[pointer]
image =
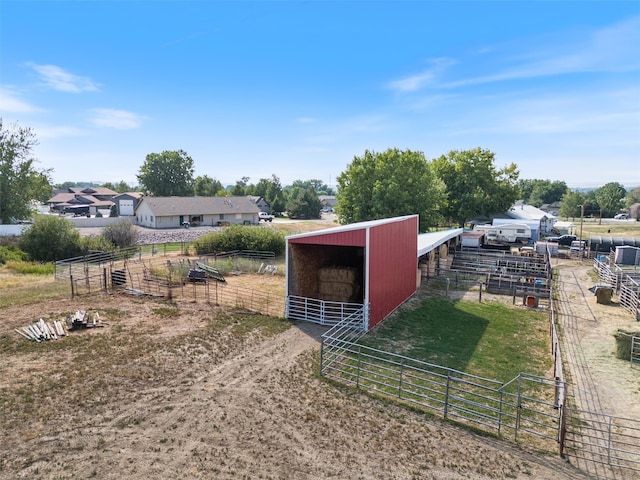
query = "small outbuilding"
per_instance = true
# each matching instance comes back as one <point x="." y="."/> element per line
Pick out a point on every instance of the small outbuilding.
<point x="358" y="273"/>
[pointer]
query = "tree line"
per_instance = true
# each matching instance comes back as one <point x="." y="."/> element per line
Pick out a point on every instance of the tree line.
<point x="448" y="190"/>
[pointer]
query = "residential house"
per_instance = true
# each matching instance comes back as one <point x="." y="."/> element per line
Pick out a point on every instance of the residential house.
<point x="262" y="204"/>
<point x="75" y="199"/>
<point x="127" y="202"/>
<point x="172" y="212"/>
<point x="328" y="202"/>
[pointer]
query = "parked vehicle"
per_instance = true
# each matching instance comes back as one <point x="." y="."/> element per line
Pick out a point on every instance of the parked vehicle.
<point x="265" y="216"/>
<point x="563" y="239"/>
<point x="621" y="216"/>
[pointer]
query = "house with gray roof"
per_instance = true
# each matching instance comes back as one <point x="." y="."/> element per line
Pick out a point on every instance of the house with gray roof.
<point x="173" y="212"/>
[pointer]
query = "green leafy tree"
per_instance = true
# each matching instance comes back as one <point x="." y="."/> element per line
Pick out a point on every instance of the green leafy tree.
<point x="20" y="181"/>
<point x="540" y="192"/>
<point x="169" y="173"/>
<point x="206" y="186"/>
<point x="570" y="204"/>
<point x="51" y="238"/>
<point x="610" y="198"/>
<point x="240" y="188"/>
<point x="271" y="190"/>
<point x="303" y="203"/>
<point x="632" y="197"/>
<point x="474" y="185"/>
<point x="389" y="184"/>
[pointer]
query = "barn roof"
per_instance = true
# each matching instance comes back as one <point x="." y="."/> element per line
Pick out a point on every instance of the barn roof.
<point x="431" y="240"/>
<point x="350" y="227"/>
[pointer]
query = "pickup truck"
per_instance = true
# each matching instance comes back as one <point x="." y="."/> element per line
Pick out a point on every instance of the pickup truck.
<point x="265" y="216"/>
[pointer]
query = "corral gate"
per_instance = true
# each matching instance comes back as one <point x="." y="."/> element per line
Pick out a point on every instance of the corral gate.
<point x="606" y="445"/>
<point x="635" y="350"/>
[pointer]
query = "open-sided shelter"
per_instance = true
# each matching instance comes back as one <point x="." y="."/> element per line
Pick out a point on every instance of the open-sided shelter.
<point x="359" y="272"/>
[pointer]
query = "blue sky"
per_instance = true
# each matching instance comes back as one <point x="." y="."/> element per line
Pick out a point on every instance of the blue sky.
<point x="297" y="89"/>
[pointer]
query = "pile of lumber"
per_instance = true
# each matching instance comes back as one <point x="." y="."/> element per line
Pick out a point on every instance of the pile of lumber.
<point x="41" y="331"/>
<point x="338" y="284"/>
<point x="82" y="319"/>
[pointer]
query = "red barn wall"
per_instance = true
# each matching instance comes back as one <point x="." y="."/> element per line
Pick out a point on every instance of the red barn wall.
<point x="392" y="266"/>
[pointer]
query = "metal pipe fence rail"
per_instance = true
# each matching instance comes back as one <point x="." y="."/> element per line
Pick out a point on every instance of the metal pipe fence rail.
<point x="325" y="312"/>
<point x="635" y="350"/>
<point x="524" y="409"/>
<point x="94" y="262"/>
<point x="224" y="295"/>
<point x="625" y="281"/>
<point x="612" y="443"/>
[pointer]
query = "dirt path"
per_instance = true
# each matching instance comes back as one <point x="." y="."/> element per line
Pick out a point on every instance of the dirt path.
<point x="599" y="383"/>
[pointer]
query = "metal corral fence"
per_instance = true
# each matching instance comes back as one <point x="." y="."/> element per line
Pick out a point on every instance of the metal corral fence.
<point x="94" y="262"/>
<point x="158" y="274"/>
<point x="625" y="281"/>
<point x="524" y="408"/>
<point x="611" y="443"/>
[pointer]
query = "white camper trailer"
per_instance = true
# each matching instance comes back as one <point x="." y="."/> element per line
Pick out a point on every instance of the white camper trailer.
<point x="507" y="233"/>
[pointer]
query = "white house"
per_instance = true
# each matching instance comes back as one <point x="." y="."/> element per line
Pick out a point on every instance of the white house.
<point x="172" y="212"/>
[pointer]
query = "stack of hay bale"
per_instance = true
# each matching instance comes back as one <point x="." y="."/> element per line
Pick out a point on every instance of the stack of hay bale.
<point x="338" y="284"/>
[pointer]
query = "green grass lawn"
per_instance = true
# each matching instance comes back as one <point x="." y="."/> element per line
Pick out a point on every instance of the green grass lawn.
<point x="490" y="340"/>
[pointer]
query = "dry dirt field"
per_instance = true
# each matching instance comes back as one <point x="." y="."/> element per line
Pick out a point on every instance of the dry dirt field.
<point x="187" y="391"/>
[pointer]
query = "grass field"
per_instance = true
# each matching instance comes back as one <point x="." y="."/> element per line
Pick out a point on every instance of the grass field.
<point x="490" y="340"/>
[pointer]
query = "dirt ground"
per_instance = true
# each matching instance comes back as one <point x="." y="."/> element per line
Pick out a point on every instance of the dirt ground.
<point x="158" y="394"/>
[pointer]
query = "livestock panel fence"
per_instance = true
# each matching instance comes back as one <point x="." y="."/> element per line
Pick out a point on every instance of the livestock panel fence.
<point x="525" y="408"/>
<point x="163" y="274"/>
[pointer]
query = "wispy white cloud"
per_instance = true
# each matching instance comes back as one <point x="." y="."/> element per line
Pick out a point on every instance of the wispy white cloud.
<point x="12" y="103"/>
<point x="615" y="48"/>
<point x="422" y="79"/>
<point x="58" y="131"/>
<point x="59" y="79"/>
<point x="118" y="119"/>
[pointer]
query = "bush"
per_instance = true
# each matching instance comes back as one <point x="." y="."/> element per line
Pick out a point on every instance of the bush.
<point x="31" y="268"/>
<point x="11" y="253"/>
<point x="51" y="238"/>
<point x="121" y="235"/>
<point x="238" y="237"/>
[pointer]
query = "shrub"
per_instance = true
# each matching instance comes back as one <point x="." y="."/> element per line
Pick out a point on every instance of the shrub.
<point x="11" y="253"/>
<point x="121" y="235"/>
<point x="30" y="268"/>
<point x="238" y="237"/>
<point x="51" y="238"/>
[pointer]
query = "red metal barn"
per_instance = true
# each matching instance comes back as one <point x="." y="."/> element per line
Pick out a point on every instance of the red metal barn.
<point x="361" y="272"/>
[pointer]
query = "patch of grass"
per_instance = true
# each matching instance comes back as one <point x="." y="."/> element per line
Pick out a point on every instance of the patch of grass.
<point x="167" y="311"/>
<point x="26" y="289"/>
<point x="30" y="268"/>
<point x="490" y="340"/>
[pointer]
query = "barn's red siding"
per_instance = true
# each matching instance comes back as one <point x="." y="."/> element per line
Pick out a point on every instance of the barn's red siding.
<point x="390" y="263"/>
<point x="351" y="238"/>
<point x="392" y="266"/>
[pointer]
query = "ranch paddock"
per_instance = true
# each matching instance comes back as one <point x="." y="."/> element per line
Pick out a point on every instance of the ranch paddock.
<point x="189" y="390"/>
<point x="201" y="390"/>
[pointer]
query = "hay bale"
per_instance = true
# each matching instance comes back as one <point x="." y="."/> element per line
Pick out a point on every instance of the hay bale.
<point x="337" y="274"/>
<point x="337" y="289"/>
<point x="623" y="343"/>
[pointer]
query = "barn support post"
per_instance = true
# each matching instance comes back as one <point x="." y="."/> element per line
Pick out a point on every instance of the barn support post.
<point x="480" y="294"/>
